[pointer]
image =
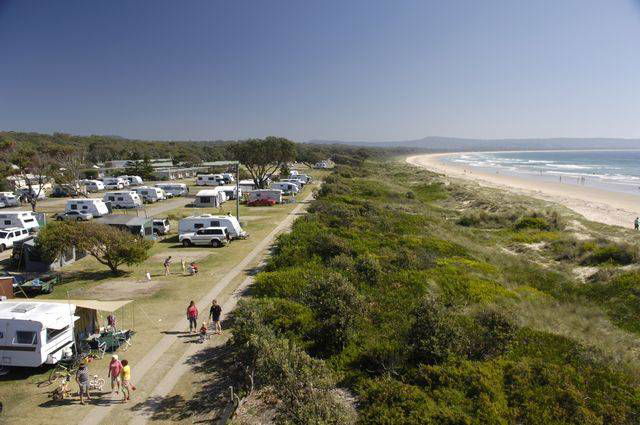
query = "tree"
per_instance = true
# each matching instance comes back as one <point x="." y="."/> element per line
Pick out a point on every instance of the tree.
<point x="310" y="155"/>
<point x="264" y="157"/>
<point x="34" y="166"/>
<point x="70" y="163"/>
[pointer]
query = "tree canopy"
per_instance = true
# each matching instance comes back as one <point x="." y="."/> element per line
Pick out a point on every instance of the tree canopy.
<point x="264" y="157"/>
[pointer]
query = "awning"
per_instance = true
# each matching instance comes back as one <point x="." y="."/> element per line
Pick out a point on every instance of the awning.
<point x="109" y="306"/>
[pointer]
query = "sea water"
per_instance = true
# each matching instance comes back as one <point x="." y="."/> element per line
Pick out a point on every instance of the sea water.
<point x="610" y="170"/>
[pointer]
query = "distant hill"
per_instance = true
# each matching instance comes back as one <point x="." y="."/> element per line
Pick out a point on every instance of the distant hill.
<point x="435" y="143"/>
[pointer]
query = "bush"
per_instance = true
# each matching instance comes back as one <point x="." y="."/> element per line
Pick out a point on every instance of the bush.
<point x="614" y="254"/>
<point x="538" y="223"/>
<point x="495" y="333"/>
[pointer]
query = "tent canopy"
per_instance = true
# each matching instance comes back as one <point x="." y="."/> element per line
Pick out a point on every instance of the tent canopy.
<point x="109" y="306"/>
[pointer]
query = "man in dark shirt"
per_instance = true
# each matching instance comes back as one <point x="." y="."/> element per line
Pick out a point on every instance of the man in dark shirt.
<point x="214" y="315"/>
<point x="82" y="378"/>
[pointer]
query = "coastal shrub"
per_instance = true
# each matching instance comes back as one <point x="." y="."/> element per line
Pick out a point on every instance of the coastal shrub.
<point x="495" y="332"/>
<point x="368" y="268"/>
<point x="430" y="192"/>
<point x="621" y="254"/>
<point x="284" y="317"/>
<point x="620" y="298"/>
<point x="529" y="222"/>
<point x="286" y="283"/>
<point x="487" y="220"/>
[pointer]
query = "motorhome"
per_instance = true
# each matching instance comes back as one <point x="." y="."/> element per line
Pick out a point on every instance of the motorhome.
<point x="266" y="194"/>
<point x="35" y="333"/>
<point x="94" y="206"/>
<point x="297" y="181"/>
<point x="123" y="199"/>
<point x="133" y="180"/>
<point x="8" y="199"/>
<point x="193" y="223"/>
<point x="111" y="183"/>
<point x="287" y="188"/>
<point x="22" y="219"/>
<point x="210" y="198"/>
<point x="93" y="185"/>
<point x="210" y="180"/>
<point x="175" y="189"/>
<point x="150" y="194"/>
<point x="231" y="192"/>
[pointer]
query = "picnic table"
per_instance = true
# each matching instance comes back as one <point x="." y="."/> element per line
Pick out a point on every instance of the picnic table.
<point x="110" y="340"/>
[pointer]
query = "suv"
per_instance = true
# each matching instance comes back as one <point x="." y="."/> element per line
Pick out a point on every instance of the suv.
<point x="161" y="226"/>
<point x="74" y="216"/>
<point x="214" y="236"/>
<point x="12" y="234"/>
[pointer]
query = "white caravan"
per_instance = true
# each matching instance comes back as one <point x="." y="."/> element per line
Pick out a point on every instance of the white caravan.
<point x="22" y="219"/>
<point x="94" y="206"/>
<point x="230" y="191"/>
<point x="175" y="189"/>
<point x="287" y="188"/>
<point x="133" y="180"/>
<point x="296" y="175"/>
<point x="210" y="180"/>
<point x="297" y="181"/>
<point x="193" y="223"/>
<point x="93" y="185"/>
<point x="8" y="199"/>
<point x="210" y="198"/>
<point x="35" y="333"/>
<point x="123" y="199"/>
<point x="150" y="194"/>
<point x="111" y="183"/>
<point x="260" y="194"/>
<point x="228" y="177"/>
<point x="35" y="191"/>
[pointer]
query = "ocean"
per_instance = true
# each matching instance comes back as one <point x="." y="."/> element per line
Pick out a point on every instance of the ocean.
<point x="617" y="171"/>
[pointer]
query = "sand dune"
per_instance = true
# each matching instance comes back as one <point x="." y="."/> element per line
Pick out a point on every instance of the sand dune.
<point x="599" y="205"/>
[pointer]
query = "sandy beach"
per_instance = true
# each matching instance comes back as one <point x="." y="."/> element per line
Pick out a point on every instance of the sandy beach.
<point x="595" y="204"/>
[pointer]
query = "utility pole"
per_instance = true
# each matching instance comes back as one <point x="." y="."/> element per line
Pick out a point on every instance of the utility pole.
<point x="238" y="191"/>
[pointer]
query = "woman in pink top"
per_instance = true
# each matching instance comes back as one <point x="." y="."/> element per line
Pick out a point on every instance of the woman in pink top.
<point x="115" y="367"/>
<point x="192" y="317"/>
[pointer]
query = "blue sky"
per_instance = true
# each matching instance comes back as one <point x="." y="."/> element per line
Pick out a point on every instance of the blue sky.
<point x="350" y="70"/>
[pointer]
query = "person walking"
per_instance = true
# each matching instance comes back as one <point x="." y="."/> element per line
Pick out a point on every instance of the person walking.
<point x="167" y="264"/>
<point x="183" y="263"/>
<point x="125" y="374"/>
<point x="214" y="316"/>
<point x="115" y="367"/>
<point x="636" y="223"/>
<point x="192" y="317"/>
<point x="82" y="378"/>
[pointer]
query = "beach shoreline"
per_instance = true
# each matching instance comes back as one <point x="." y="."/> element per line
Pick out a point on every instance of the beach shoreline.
<point x="603" y="206"/>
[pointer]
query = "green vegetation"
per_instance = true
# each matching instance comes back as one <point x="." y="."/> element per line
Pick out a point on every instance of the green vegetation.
<point x="422" y="301"/>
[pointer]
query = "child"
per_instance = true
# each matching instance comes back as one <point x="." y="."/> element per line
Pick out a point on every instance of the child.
<point x="126" y="381"/>
<point x="203" y="333"/>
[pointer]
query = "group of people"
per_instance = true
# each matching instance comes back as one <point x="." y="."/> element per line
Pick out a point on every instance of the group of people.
<point x="192" y="268"/>
<point x="215" y="311"/>
<point x="119" y="373"/>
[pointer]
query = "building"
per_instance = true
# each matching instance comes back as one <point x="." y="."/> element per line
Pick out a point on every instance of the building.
<point x="174" y="173"/>
<point x="139" y="226"/>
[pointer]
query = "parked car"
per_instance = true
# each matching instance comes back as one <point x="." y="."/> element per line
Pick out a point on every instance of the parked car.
<point x="74" y="216"/>
<point x="11" y="235"/>
<point x="161" y="226"/>
<point x="261" y="203"/>
<point x="213" y="236"/>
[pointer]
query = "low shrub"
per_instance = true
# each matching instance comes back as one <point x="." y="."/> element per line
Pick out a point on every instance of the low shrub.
<point x="612" y="253"/>
<point x="528" y="222"/>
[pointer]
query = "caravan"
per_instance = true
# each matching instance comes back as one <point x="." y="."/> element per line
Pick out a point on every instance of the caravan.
<point x="210" y="198"/>
<point x="133" y="180"/>
<point x="93" y="185"/>
<point x="35" y="333"/>
<point x="35" y="192"/>
<point x="287" y="188"/>
<point x="263" y="197"/>
<point x="150" y="194"/>
<point x="175" y="189"/>
<point x="123" y="199"/>
<point x="8" y="199"/>
<point x="210" y="180"/>
<point x="193" y="223"/>
<point x="231" y="192"/>
<point x="111" y="183"/>
<point x="22" y="219"/>
<point x="94" y="206"/>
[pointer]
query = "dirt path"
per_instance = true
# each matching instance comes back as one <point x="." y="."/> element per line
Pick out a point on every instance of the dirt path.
<point x="97" y="414"/>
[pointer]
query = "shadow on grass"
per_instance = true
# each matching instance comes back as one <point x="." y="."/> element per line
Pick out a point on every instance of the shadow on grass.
<point x="172" y="239"/>
<point x="94" y="276"/>
<point x="214" y="371"/>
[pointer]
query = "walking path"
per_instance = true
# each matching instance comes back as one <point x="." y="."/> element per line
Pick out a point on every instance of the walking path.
<point x="97" y="414"/>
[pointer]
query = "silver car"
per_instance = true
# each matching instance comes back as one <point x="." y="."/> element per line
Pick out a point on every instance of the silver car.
<point x="74" y="216"/>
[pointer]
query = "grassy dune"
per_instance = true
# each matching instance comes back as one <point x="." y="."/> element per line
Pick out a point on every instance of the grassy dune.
<point x="436" y="301"/>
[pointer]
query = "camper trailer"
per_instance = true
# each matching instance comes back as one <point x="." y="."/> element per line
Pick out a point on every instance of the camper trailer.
<point x="150" y="194"/>
<point x="228" y="177"/>
<point x="305" y="178"/>
<point x="94" y="206"/>
<point x="34" y="192"/>
<point x="210" y="180"/>
<point x="133" y="180"/>
<point x="210" y="198"/>
<point x="287" y="188"/>
<point x="35" y="333"/>
<point x="116" y="183"/>
<point x="193" y="223"/>
<point x="22" y="219"/>
<point x="123" y="199"/>
<point x="93" y="185"/>
<point x="175" y="189"/>
<point x="259" y="195"/>
<point x="8" y="199"/>
<point x="297" y="181"/>
<point x="231" y="192"/>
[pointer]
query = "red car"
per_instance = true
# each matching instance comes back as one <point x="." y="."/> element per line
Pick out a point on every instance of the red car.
<point x="262" y="203"/>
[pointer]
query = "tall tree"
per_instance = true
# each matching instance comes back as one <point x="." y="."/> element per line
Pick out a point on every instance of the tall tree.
<point x="34" y="167"/>
<point x="264" y="157"/>
<point x="70" y="162"/>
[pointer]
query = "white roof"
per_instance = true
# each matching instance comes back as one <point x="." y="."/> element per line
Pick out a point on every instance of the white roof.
<point x="5" y="213"/>
<point x="227" y="187"/>
<point x="10" y="229"/>
<point x="109" y="306"/>
<point x="85" y="200"/>
<point x="51" y="314"/>
<point x="208" y="192"/>
<point x="208" y="216"/>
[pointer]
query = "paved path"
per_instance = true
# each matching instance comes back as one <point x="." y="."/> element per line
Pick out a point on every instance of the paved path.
<point x="97" y="414"/>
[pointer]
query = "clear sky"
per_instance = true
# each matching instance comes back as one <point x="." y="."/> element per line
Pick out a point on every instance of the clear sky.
<point x="344" y="69"/>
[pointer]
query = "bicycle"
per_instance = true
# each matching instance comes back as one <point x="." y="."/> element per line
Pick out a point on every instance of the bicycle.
<point x="96" y="383"/>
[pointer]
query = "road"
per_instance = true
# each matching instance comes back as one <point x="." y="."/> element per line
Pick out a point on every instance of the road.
<point x="98" y="414"/>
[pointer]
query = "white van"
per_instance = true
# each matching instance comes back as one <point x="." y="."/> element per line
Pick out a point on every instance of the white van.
<point x="210" y="180"/>
<point x="286" y="187"/>
<point x="193" y="223"/>
<point x="8" y="199"/>
<point x="34" y="333"/>
<point x="175" y="189"/>
<point x="94" y="206"/>
<point x="123" y="199"/>
<point x="150" y="194"/>
<point x="93" y="185"/>
<point x="133" y="180"/>
<point x="111" y="183"/>
<point x="22" y="219"/>
<point x="10" y="235"/>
